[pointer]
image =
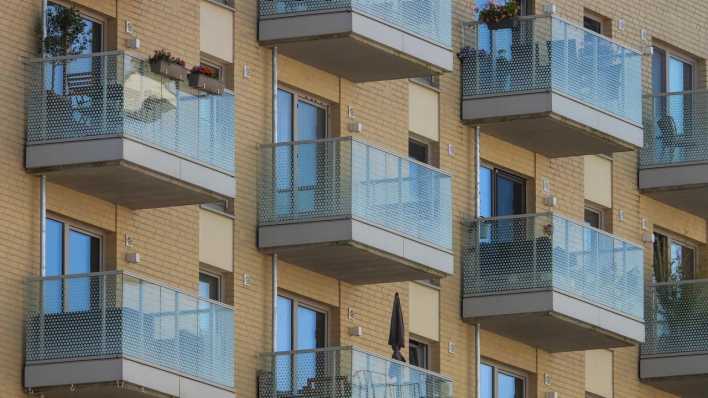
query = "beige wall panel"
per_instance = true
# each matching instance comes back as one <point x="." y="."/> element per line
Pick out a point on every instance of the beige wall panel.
<point x="216" y="31"/>
<point x="598" y="372"/>
<point x="216" y="240"/>
<point x="425" y="311"/>
<point x="598" y="180"/>
<point x="423" y="115"/>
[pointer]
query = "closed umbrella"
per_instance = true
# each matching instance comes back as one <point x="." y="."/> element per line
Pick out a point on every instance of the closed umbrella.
<point x="396" y="336"/>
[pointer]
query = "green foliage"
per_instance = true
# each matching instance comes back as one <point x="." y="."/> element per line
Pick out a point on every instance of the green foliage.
<point x="65" y="32"/>
<point x="495" y="13"/>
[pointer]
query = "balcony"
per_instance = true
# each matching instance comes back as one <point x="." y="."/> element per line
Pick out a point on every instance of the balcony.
<point x="355" y="212"/>
<point x="362" y="40"/>
<point x="112" y="334"/>
<point x="345" y="372"/>
<point x="105" y="125"/>
<point x="674" y="357"/>
<point x="552" y="87"/>
<point x="553" y="283"/>
<point x="673" y="164"/>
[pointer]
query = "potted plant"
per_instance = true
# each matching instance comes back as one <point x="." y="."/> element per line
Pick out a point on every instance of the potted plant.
<point x="499" y="16"/>
<point x="162" y="62"/>
<point x="204" y="78"/>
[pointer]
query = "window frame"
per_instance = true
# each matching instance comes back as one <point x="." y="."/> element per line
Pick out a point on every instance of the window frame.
<point x="596" y="20"/>
<point x="69" y="225"/>
<point x="219" y="284"/>
<point x="499" y="368"/>
<point x="298" y="96"/>
<point x="89" y="15"/>
<point x="495" y="171"/>
<point x="668" y="54"/>
<point x="298" y="301"/>
<point x="425" y="349"/>
<point x="673" y="239"/>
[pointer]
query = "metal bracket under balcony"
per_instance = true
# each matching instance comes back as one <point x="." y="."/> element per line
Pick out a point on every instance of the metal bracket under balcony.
<point x="552" y="283"/>
<point x="552" y="87"/>
<point x="359" y="40"/>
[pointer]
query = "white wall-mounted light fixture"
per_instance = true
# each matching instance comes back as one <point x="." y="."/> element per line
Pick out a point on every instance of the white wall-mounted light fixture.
<point x="356" y="331"/>
<point x="550" y="201"/>
<point x="132" y="257"/>
<point x="355" y="127"/>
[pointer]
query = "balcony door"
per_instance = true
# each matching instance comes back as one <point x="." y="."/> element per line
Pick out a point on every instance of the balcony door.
<point x="70" y="251"/>
<point x="672" y="73"/>
<point x="300" y="327"/>
<point x="300" y="121"/>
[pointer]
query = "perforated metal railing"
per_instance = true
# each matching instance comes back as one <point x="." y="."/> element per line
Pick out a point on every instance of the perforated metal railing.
<point x="343" y="177"/>
<point x="676" y="318"/>
<point x="675" y="129"/>
<point x="546" y="251"/>
<point x="113" y="94"/>
<point x="345" y="372"/>
<point x="114" y="314"/>
<point x="540" y="53"/>
<point x="429" y="19"/>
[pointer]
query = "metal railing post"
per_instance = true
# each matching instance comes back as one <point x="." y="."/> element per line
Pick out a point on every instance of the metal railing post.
<point x="102" y="298"/>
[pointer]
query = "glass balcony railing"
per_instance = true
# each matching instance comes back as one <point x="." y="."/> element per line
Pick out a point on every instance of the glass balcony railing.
<point x="676" y="318"/>
<point x="538" y="53"/>
<point x="113" y="94"/>
<point x="546" y="251"/>
<point x="429" y="19"/>
<point x="345" y="372"/>
<point x="675" y="129"/>
<point x="113" y="314"/>
<point x="334" y="178"/>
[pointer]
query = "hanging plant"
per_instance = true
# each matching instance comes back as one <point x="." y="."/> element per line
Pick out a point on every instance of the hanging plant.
<point x="162" y="62"/>
<point x="205" y="78"/>
<point x="498" y="16"/>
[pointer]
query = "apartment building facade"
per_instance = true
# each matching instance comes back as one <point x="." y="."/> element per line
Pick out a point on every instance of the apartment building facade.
<point x="241" y="228"/>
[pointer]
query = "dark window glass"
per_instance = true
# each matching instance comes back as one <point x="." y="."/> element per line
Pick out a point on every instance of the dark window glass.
<point x="208" y="286"/>
<point x="592" y="218"/>
<point x="418" y="151"/>
<point x="592" y="24"/>
<point x="418" y="354"/>
<point x="509" y="195"/>
<point x="682" y="259"/>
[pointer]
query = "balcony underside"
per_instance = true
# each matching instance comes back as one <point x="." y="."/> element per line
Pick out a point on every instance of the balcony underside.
<point x="356" y="47"/>
<point x="129" y="173"/>
<point x="682" y="186"/>
<point x="552" y="321"/>
<point x="551" y="124"/>
<point x="114" y="378"/>
<point x="355" y="252"/>
<point x="685" y="375"/>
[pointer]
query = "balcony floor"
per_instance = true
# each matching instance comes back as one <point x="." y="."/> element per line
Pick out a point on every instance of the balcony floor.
<point x="684" y="186"/>
<point x="355" y="252"/>
<point x="552" y="321"/>
<point x="129" y="173"/>
<point x="684" y="375"/>
<point x="94" y="378"/>
<point x="354" y="46"/>
<point x="551" y="124"/>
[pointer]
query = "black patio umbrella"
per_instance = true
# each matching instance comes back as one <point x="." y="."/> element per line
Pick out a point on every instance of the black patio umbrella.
<point x="396" y="336"/>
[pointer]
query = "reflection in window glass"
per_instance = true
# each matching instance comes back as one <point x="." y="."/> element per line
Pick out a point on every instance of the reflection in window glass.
<point x="208" y="286"/>
<point x="486" y="378"/>
<point x="485" y="192"/>
<point x="510" y="386"/>
<point x="497" y="383"/>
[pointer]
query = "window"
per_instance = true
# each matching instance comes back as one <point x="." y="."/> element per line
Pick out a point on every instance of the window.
<point x="418" y="354"/>
<point x="209" y="286"/>
<point x="301" y="326"/>
<point x="592" y="24"/>
<point x="430" y="81"/>
<point x="593" y="217"/>
<point x="91" y="38"/>
<point x="71" y="250"/>
<point x="418" y="150"/>
<point x="673" y="260"/>
<point x="501" y="193"/>
<point x="671" y="72"/>
<point x="496" y="382"/>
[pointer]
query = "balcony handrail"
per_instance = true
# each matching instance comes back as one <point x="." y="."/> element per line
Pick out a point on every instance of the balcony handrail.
<point x="360" y="141"/>
<point x="357" y="349"/>
<point x="132" y="275"/>
<point x="680" y="282"/>
<point x="470" y="24"/>
<point x="670" y="93"/>
<point x="79" y="56"/>
<point x="554" y="214"/>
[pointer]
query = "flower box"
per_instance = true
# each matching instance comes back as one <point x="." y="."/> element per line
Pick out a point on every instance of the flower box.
<point x="503" y="24"/>
<point x="205" y="83"/>
<point x="169" y="69"/>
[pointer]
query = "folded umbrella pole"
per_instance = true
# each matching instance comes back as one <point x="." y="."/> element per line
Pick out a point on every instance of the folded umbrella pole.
<point x="396" y="336"/>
